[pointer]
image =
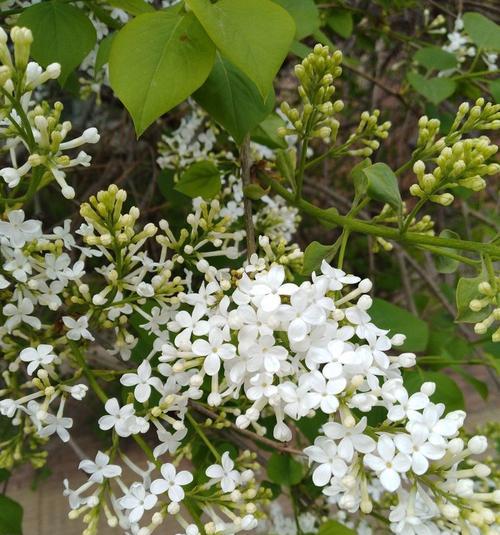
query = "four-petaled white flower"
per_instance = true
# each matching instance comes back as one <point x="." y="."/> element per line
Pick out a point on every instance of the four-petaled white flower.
<point x="351" y="438"/>
<point x="143" y="381"/>
<point x="269" y="288"/>
<point x="100" y="468"/>
<point x="77" y="328"/>
<point x="325" y="453"/>
<point x="214" y="350"/>
<point x="40" y="356"/>
<point x="20" y="314"/>
<point x="224" y="473"/>
<point x="17" y="230"/>
<point x="388" y="464"/>
<point x="172" y="482"/>
<point x="138" y="500"/>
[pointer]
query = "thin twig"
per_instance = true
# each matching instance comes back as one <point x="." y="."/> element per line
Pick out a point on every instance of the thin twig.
<point x="246" y="163"/>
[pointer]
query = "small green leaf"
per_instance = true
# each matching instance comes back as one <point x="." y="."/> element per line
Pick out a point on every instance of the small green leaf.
<point x="266" y="133"/>
<point x="314" y="254"/>
<point x="398" y="320"/>
<point x="254" y="36"/>
<point x="254" y="192"/>
<point x="11" y="516"/>
<point x="340" y="21"/>
<point x="494" y="87"/>
<point x="467" y="290"/>
<point x="201" y="179"/>
<point x="157" y="60"/>
<point x="233" y="100"/>
<point x="134" y="7"/>
<point x="435" y="90"/>
<point x="447" y="390"/>
<point x="444" y="264"/>
<point x="434" y="57"/>
<point x="332" y="527"/>
<point x="284" y="470"/>
<point x="305" y="15"/>
<point x="359" y="179"/>
<point x="382" y="185"/>
<point x="103" y="51"/>
<point x="483" y="31"/>
<point x="62" y="33"/>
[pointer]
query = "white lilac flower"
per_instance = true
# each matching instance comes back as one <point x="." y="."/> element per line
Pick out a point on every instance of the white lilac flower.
<point x="172" y="482"/>
<point x="137" y="501"/>
<point x="214" y="350"/>
<point x="388" y="464"/>
<point x="57" y="424"/>
<point x="224" y="473"/>
<point x="122" y="419"/>
<point x="17" y="230"/>
<point x="326" y="455"/>
<point x="20" y="314"/>
<point x="143" y="381"/>
<point x="77" y="328"/>
<point x="350" y="439"/>
<point x="100" y="469"/>
<point x="417" y="447"/>
<point x="41" y="356"/>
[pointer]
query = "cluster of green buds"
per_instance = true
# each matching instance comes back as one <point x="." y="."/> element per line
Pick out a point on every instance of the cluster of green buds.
<point x="489" y="302"/>
<point x="481" y="116"/>
<point x="113" y="228"/>
<point x="316" y="75"/>
<point x="464" y="164"/>
<point x="290" y="256"/>
<point x="366" y="133"/>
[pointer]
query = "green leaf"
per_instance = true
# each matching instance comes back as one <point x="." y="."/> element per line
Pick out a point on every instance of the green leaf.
<point x="11" y="516"/>
<point x="310" y="427"/>
<point x="398" y="320"/>
<point x="495" y="90"/>
<point x="480" y="386"/>
<point x="314" y="254"/>
<point x="62" y="33"/>
<point x="382" y="185"/>
<point x="284" y="470"/>
<point x="434" y="90"/>
<point x="467" y="290"/>
<point x="332" y="527"/>
<point x="305" y="15"/>
<point x="201" y="179"/>
<point x="266" y="133"/>
<point x="157" y="60"/>
<point x="340" y="21"/>
<point x="447" y="390"/>
<point x="484" y="32"/>
<point x="255" y="36"/>
<point x="254" y="192"/>
<point x="434" y="57"/>
<point x="359" y="179"/>
<point x="134" y="7"/>
<point x="444" y="264"/>
<point x="103" y="52"/>
<point x="233" y="100"/>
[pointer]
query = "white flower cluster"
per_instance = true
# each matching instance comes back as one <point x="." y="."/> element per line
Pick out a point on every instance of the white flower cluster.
<point x="34" y="131"/>
<point x="161" y="491"/>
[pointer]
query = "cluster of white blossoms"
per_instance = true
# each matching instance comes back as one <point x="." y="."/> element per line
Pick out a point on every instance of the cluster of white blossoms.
<point x="229" y="497"/>
<point x="32" y="131"/>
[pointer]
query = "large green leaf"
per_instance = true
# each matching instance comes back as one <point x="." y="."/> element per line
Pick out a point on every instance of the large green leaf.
<point x="447" y="390"/>
<point x="340" y="21"/>
<point x="284" y="470"/>
<point x="156" y="61"/>
<point x="484" y="32"/>
<point x="445" y="264"/>
<point x="134" y="7"/>
<point x="62" y="33"/>
<point x="382" y="185"/>
<point x="103" y="52"/>
<point x="434" y="57"/>
<point x="233" y="99"/>
<point x="266" y="132"/>
<point x="494" y="87"/>
<point x="305" y="14"/>
<point x="332" y="527"/>
<point x="11" y="516"/>
<point x="398" y="320"/>
<point x="435" y="90"/>
<point x="201" y="179"/>
<point x="255" y="36"/>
